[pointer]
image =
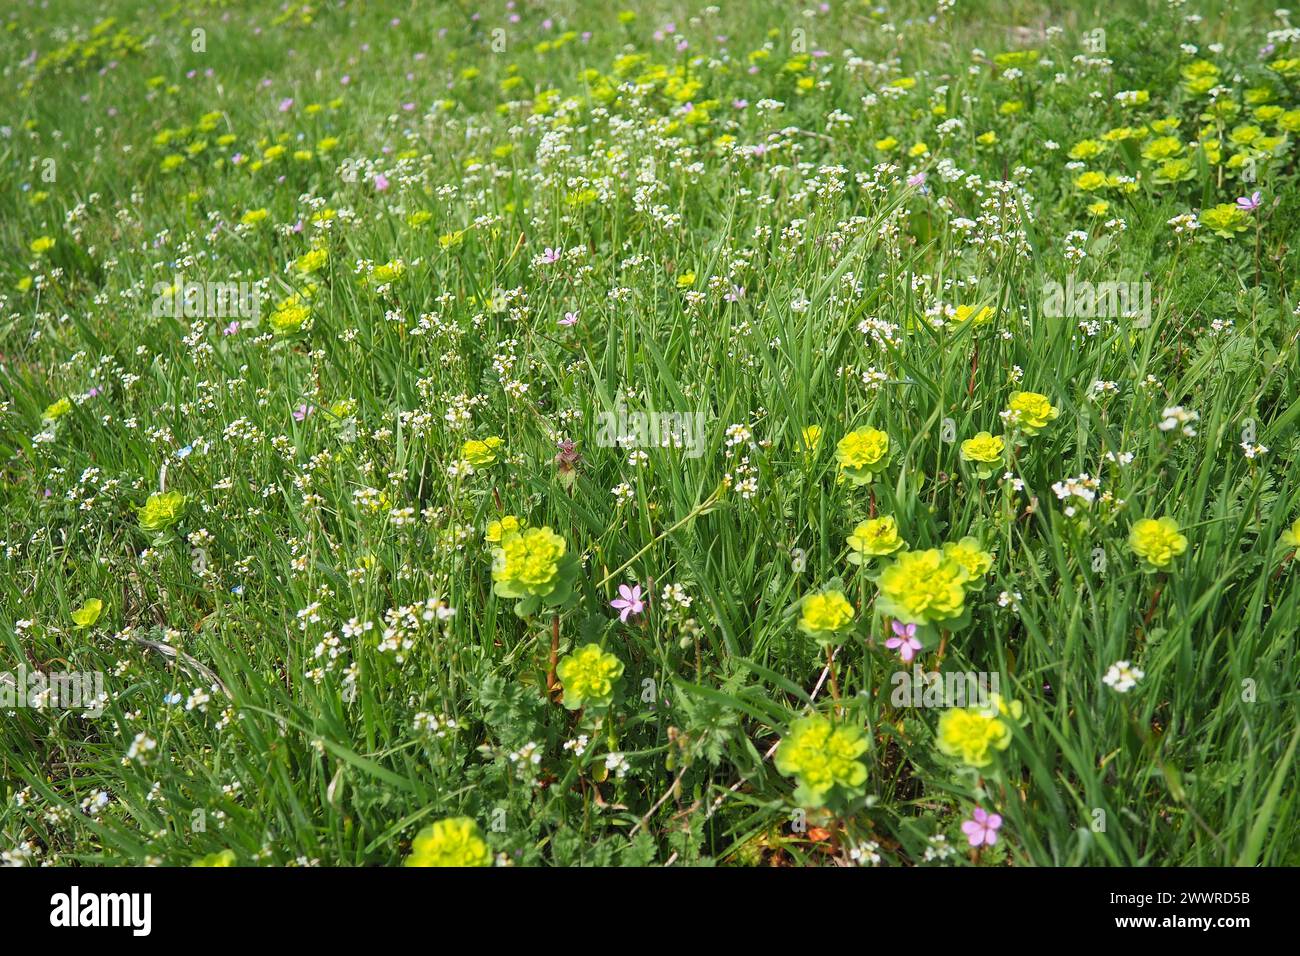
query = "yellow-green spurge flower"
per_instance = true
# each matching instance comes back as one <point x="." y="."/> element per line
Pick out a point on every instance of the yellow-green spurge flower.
<point x="589" y="676"/>
<point x="862" y="454"/>
<point x="481" y="453"/>
<point x="823" y="757"/>
<point x="970" y="554"/>
<point x="1030" y="411"/>
<point x="88" y="613"/>
<point x="455" y="841"/>
<point x="1156" y="541"/>
<point x="56" y="410"/>
<point x="496" y="530"/>
<point x="925" y="587"/>
<point x="984" y="450"/>
<point x="162" y="510"/>
<point x="1225" y="220"/>
<point x="220" y="858"/>
<point x="825" y="614"/>
<point x="533" y="565"/>
<point x="874" y="538"/>
<point x="292" y="314"/>
<point x="972" y="734"/>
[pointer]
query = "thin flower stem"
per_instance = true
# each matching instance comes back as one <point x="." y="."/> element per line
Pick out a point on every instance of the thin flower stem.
<point x="691" y="515"/>
<point x="830" y="673"/>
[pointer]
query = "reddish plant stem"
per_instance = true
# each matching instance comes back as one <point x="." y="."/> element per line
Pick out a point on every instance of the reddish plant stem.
<point x="830" y="674"/>
<point x="552" y="682"/>
<point x="1151" y="609"/>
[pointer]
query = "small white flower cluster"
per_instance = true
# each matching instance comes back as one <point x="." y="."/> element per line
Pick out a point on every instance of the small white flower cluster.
<point x="526" y="759"/>
<point x="426" y="723"/>
<point x="939" y="849"/>
<point x="743" y="476"/>
<point x="881" y="332"/>
<point x="1122" y="677"/>
<point x="141" y="750"/>
<point x="21" y="855"/>
<point x="675" y="597"/>
<point x="198" y="700"/>
<point x="617" y="764"/>
<point x="872" y="379"/>
<point x="1077" y="492"/>
<point x="1178" y="417"/>
<point x="96" y="802"/>
<point x="404" y="624"/>
<point x="866" y="854"/>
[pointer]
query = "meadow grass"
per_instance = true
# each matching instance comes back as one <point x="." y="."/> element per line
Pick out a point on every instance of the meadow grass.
<point x="634" y="275"/>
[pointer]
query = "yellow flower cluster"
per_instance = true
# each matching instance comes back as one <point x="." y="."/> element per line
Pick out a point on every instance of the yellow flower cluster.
<point x="455" y="841"/>
<point x="1225" y="220"/>
<point x="496" y="530"/>
<point x="588" y="676"/>
<point x="291" y="314"/>
<point x="984" y="450"/>
<point x="970" y="554"/>
<point x="822" y="757"/>
<point x="56" y="410"/>
<point x="972" y="735"/>
<point x="527" y="563"/>
<point x="161" y="511"/>
<point x="1157" y="541"/>
<point x="1030" y="411"/>
<point x="861" y="454"/>
<point x="88" y="613"/>
<point x="923" y="587"/>
<point x="875" y="538"/>
<point x="825" y="613"/>
<point x="481" y="453"/>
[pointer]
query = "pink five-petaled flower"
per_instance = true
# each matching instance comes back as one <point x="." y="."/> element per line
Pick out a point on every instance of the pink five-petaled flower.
<point x="905" y="640"/>
<point x="550" y="255"/>
<point x="381" y="182"/>
<point x="570" y="318"/>
<point x="301" y="412"/>
<point x="628" y="602"/>
<point x="983" y="828"/>
<point x="1249" y="203"/>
